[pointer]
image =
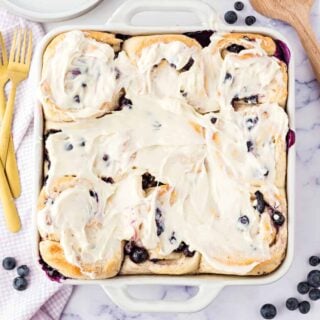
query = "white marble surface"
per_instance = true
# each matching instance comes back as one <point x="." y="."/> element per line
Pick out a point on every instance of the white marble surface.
<point x="243" y="303"/>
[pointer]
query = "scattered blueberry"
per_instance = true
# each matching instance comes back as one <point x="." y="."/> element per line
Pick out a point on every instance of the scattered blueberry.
<point x="239" y="5"/>
<point x="314" y="261"/>
<point x="304" y="307"/>
<point x="76" y="98"/>
<point x="9" y="263"/>
<point x="314" y="278"/>
<point x="244" y="220"/>
<point x="292" y="304"/>
<point x="23" y="271"/>
<point x="139" y="254"/>
<point x="213" y="120"/>
<point x="68" y="147"/>
<point x="20" y="283"/>
<point x="268" y="311"/>
<point x="303" y="287"/>
<point x="250" y="20"/>
<point x="314" y="294"/>
<point x="231" y="17"/>
<point x="278" y="218"/>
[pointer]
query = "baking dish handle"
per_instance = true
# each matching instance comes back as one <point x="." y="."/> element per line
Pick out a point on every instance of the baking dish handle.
<point x="124" y="14"/>
<point x="121" y="297"/>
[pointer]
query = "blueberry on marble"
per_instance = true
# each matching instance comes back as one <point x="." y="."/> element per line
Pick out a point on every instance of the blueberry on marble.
<point x="304" y="307"/>
<point x="239" y="5"/>
<point x="76" y="98"/>
<point x="250" y="20"/>
<point x="314" y="294"/>
<point x="278" y="218"/>
<point x="244" y="220"/>
<point x="23" y="271"/>
<point x="314" y="278"/>
<point x="303" y="287"/>
<point x="20" y="283"/>
<point x="188" y="65"/>
<point x="231" y="17"/>
<point x="235" y="48"/>
<point x="268" y="311"/>
<point x="260" y="202"/>
<point x="250" y="146"/>
<point x="314" y="261"/>
<point x="139" y="254"/>
<point x="68" y="147"/>
<point x="9" y="263"/>
<point x="292" y="304"/>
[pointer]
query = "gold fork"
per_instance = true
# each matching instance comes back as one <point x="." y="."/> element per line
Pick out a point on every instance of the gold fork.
<point x="18" y="69"/>
<point x="11" y="163"/>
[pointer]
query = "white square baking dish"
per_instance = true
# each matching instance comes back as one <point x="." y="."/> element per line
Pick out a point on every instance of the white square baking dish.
<point x="209" y="285"/>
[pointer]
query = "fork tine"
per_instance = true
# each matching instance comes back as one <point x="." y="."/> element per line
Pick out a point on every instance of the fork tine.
<point x="4" y="59"/>
<point x="13" y="47"/>
<point x="24" y="44"/>
<point x="29" y="50"/>
<point x="18" y="46"/>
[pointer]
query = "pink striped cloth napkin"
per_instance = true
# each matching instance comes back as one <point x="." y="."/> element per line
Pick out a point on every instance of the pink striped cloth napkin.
<point x="43" y="299"/>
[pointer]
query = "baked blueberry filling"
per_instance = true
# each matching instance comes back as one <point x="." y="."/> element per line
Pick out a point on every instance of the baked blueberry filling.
<point x="149" y="181"/>
<point x="107" y="180"/>
<point x="184" y="248"/>
<point x="49" y="132"/>
<point x="250" y="146"/>
<point x="123" y="103"/>
<point x="260" y="202"/>
<point x="76" y="98"/>
<point x="136" y="254"/>
<point x="68" y="146"/>
<point x="213" y="120"/>
<point x="94" y="195"/>
<point x="282" y="52"/>
<point x="244" y="220"/>
<point x="278" y="218"/>
<point x="159" y="222"/>
<point x="290" y="138"/>
<point x="203" y="37"/>
<point x="251" y="123"/>
<point x="188" y="65"/>
<point x="227" y="77"/>
<point x="173" y="238"/>
<point x="235" y="48"/>
<point x="52" y="274"/>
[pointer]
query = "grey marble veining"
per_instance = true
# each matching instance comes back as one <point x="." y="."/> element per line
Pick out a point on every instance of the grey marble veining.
<point x="241" y="303"/>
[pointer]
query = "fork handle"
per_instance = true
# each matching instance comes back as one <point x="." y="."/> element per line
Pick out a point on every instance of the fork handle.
<point x="11" y="163"/>
<point x="5" y="130"/>
<point x="9" y="208"/>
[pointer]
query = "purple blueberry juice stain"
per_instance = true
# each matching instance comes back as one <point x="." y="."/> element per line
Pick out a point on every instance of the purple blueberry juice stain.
<point x="282" y="52"/>
<point x="291" y="138"/>
<point x="51" y="273"/>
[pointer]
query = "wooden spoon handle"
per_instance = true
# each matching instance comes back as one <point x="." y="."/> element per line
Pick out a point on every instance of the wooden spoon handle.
<point x="310" y="43"/>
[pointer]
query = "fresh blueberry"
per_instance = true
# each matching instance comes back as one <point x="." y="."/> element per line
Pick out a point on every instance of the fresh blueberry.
<point x="268" y="311"/>
<point x="314" y="278"/>
<point x="231" y="17"/>
<point x="20" y="283"/>
<point x="278" y="218"/>
<point x="292" y="304"/>
<point x="139" y="254"/>
<point x="239" y="5"/>
<point x="23" y="271"/>
<point x="314" y="294"/>
<point x="314" y="261"/>
<point x="244" y="220"/>
<point x="303" y="287"/>
<point x="250" y="20"/>
<point x="304" y="307"/>
<point x="9" y="263"/>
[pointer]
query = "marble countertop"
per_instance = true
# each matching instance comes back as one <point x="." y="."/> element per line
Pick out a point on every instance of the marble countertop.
<point x="243" y="303"/>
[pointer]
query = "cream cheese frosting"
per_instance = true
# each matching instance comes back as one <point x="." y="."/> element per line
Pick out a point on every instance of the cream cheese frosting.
<point x="181" y="127"/>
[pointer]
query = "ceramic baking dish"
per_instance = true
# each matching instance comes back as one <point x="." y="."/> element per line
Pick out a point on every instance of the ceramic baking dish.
<point x="209" y="285"/>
